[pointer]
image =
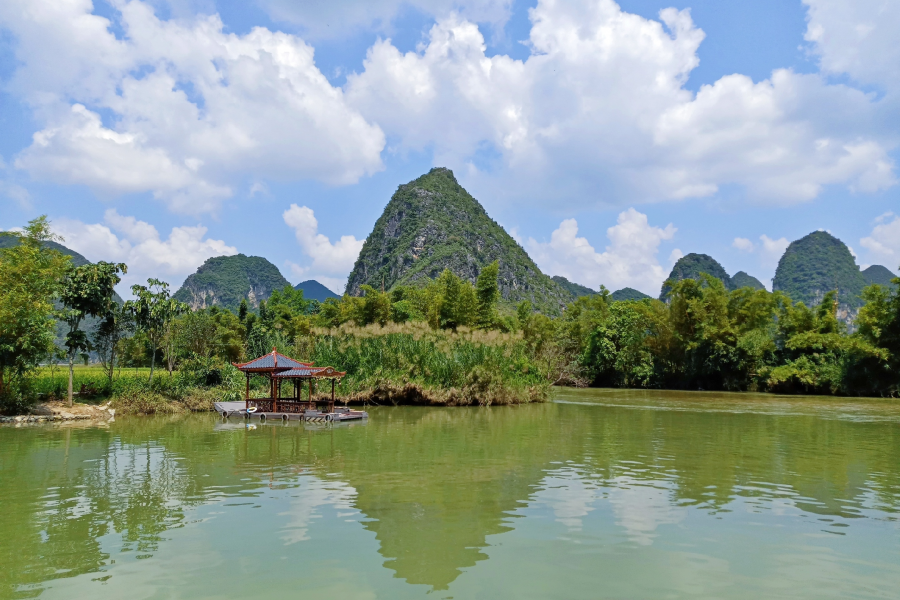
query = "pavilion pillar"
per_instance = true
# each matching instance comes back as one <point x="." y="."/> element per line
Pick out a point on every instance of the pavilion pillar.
<point x="247" y="393"/>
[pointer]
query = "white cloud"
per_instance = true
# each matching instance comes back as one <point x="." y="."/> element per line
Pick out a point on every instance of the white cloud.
<point x="328" y="259"/>
<point x="630" y="260"/>
<point x="883" y="243"/>
<point x="743" y="244"/>
<point x="333" y="19"/>
<point x="12" y="190"/>
<point x="140" y="246"/>
<point x="598" y="114"/>
<point x="771" y="250"/>
<point x="188" y="110"/>
<point x="858" y="38"/>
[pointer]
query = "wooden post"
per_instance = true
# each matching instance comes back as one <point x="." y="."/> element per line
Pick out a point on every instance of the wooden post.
<point x="247" y="394"/>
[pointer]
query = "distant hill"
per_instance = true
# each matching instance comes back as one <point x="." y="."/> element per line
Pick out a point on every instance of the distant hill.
<point x="628" y="294"/>
<point x="742" y="279"/>
<point x="432" y="224"/>
<point x="226" y="280"/>
<point x="8" y="241"/>
<point x="313" y="290"/>
<point x="816" y="264"/>
<point x="576" y="289"/>
<point x="880" y="275"/>
<point x="690" y="266"/>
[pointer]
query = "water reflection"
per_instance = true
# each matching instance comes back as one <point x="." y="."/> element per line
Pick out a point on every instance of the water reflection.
<point x="672" y="492"/>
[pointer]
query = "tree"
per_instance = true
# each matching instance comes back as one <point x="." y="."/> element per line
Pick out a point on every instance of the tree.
<point x="457" y="304"/>
<point x="376" y="307"/>
<point x="487" y="293"/>
<point x="242" y="310"/>
<point x="108" y="335"/>
<point x="87" y="290"/>
<point x="154" y="310"/>
<point x="30" y="276"/>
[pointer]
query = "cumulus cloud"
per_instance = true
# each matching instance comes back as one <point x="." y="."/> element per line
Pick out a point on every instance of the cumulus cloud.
<point x="328" y="259"/>
<point x="599" y="113"/>
<point x="178" y="108"/>
<point x="858" y="38"/>
<point x="883" y="243"/>
<point x="139" y="245"/>
<point x="333" y="19"/>
<point x="743" y="244"/>
<point x="630" y="260"/>
<point x="768" y="250"/>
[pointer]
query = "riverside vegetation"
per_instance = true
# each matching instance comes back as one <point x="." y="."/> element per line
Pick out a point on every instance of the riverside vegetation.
<point x="436" y="341"/>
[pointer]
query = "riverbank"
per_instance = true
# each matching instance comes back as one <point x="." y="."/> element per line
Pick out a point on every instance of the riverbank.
<point x="58" y="411"/>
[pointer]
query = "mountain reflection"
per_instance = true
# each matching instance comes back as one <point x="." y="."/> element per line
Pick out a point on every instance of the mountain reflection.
<point x="432" y="485"/>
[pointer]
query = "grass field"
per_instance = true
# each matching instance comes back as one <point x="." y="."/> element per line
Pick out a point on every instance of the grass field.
<point x="53" y="381"/>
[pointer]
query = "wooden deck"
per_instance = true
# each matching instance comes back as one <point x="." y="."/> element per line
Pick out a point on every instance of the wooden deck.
<point x="230" y="410"/>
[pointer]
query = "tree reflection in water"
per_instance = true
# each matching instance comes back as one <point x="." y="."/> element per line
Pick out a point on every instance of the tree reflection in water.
<point x="433" y="485"/>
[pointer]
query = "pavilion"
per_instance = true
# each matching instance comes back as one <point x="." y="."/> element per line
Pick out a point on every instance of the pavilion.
<point x="279" y="368"/>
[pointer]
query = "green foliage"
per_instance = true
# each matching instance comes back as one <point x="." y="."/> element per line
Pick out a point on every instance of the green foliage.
<point x="30" y="275"/>
<point x="154" y="311"/>
<point x="616" y="354"/>
<point x="87" y="290"/>
<point x="413" y="363"/>
<point x="487" y="293"/>
<point x="816" y="264"/>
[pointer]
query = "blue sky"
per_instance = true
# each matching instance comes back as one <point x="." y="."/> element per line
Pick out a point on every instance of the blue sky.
<point x="609" y="139"/>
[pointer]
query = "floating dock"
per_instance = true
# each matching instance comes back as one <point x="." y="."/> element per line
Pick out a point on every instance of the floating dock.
<point x="239" y="410"/>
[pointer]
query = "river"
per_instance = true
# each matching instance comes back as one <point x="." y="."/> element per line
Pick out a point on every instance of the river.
<point x="598" y="494"/>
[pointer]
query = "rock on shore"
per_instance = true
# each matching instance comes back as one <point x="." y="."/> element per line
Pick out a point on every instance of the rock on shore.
<point x="60" y="411"/>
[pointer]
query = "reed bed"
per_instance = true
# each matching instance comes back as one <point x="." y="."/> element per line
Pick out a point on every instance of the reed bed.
<point x="413" y="364"/>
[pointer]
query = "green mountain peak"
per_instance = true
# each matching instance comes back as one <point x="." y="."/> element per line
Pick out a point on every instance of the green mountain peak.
<point x="690" y="266"/>
<point x="226" y="280"/>
<point x="816" y="264"/>
<point x="432" y="224"/>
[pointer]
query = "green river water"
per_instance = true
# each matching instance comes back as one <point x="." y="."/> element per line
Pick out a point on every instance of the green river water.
<point x="599" y="494"/>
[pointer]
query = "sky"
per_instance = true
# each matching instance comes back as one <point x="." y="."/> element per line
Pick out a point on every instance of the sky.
<point x="608" y="139"/>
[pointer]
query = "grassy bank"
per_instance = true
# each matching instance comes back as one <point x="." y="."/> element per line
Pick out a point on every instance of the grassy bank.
<point x="397" y="364"/>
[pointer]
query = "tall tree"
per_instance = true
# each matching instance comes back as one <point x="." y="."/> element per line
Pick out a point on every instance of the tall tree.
<point x="30" y="276"/>
<point x="154" y="310"/>
<point x="87" y="290"/>
<point x="107" y="338"/>
<point x="487" y="293"/>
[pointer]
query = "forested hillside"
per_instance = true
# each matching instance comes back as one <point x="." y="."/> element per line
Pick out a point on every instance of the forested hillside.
<point x="691" y="266"/>
<point x="628" y="294"/>
<point x="742" y="279"/>
<point x="313" y="290"/>
<point x="432" y="224"/>
<point x="817" y="264"/>
<point x="576" y="289"/>
<point x="226" y="280"/>
<point x="880" y="275"/>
